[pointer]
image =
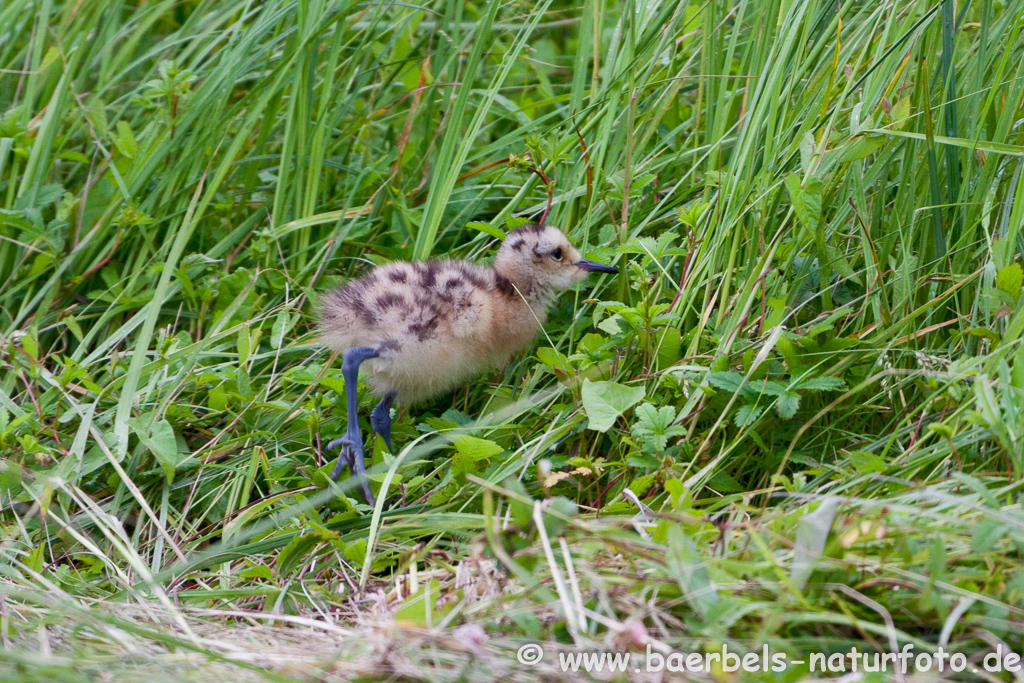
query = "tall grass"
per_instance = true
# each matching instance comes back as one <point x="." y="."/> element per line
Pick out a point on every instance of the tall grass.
<point x="812" y="352"/>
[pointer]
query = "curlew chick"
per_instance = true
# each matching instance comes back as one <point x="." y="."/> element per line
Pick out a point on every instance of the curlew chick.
<point x="425" y="327"/>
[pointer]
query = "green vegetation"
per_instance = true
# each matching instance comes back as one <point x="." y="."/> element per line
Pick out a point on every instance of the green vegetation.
<point x="810" y="370"/>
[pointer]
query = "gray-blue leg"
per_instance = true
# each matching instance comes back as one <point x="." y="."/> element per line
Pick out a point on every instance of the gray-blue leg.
<point x="380" y="418"/>
<point x="351" y="444"/>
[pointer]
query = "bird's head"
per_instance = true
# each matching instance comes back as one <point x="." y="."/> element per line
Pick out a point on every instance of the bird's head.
<point x="542" y="257"/>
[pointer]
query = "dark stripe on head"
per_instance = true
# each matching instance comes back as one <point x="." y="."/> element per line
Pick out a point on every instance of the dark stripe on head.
<point x="397" y="275"/>
<point x="526" y="229"/>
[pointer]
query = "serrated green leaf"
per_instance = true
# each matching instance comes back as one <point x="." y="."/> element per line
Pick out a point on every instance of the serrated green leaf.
<point x="334" y="384"/>
<point x="747" y="414"/>
<point x="476" y="448"/>
<point x="822" y="384"/>
<point x="487" y="228"/>
<point x="787" y="403"/>
<point x="282" y="323"/>
<point x="125" y="140"/>
<point x="654" y="425"/>
<point x="513" y="222"/>
<point x="987" y="532"/>
<point x="356" y="551"/>
<point x="1010" y="279"/>
<point x="729" y="380"/>
<point x="75" y="328"/>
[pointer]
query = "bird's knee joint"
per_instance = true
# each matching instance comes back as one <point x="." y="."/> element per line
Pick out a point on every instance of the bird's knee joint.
<point x="355" y="357"/>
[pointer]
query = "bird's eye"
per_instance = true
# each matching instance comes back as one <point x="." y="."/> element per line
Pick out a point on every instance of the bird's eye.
<point x="557" y="253"/>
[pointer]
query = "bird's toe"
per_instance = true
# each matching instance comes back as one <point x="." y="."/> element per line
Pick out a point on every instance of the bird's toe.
<point x="351" y="455"/>
<point x="348" y="451"/>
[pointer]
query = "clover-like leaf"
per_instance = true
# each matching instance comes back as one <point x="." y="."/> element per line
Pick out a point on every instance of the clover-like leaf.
<point x="654" y="425"/>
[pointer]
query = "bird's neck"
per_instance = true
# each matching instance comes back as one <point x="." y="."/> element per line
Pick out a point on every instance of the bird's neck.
<point x="536" y="295"/>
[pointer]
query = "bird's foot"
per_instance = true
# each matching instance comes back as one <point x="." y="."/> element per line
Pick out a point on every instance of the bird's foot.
<point x="351" y="455"/>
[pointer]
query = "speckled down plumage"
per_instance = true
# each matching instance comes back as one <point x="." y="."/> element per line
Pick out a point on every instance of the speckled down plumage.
<point x="436" y="324"/>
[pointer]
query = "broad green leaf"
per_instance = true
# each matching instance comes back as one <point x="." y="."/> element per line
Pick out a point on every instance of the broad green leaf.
<point x="282" y="323"/>
<point x="811" y="534"/>
<point x="806" y="200"/>
<point x="469" y="450"/>
<point x="356" y="551"/>
<point x="791" y="353"/>
<point x="553" y="359"/>
<point x="604" y="402"/>
<point x="670" y="346"/>
<point x="243" y="344"/>
<point x="778" y="314"/>
<point x="521" y="511"/>
<point x="724" y="482"/>
<point x="900" y="113"/>
<point x="690" y="569"/>
<point x="260" y="571"/>
<point x="160" y="441"/>
<point x="420" y="609"/>
<point x="860" y="147"/>
<point x="293" y="554"/>
<point x="562" y="505"/>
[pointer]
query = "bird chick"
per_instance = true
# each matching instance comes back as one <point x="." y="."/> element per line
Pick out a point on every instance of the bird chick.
<point x="425" y="327"/>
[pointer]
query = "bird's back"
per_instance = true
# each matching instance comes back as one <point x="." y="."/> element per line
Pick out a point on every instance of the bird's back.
<point x="435" y="324"/>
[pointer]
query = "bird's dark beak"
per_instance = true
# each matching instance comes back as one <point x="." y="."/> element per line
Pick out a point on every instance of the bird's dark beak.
<point x="594" y="267"/>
